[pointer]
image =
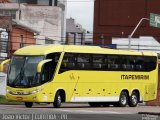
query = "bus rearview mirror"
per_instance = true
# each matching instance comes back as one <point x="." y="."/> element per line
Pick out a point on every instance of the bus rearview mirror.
<point x="4" y="66"/>
<point x="41" y="64"/>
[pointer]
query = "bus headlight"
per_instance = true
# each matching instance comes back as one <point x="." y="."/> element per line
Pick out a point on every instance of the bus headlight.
<point x="24" y="93"/>
<point x="35" y="91"/>
<point x="11" y="92"/>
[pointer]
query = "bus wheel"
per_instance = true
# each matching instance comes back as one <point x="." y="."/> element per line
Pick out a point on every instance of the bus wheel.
<point x="57" y="100"/>
<point x="123" y="100"/>
<point x="28" y="104"/>
<point x="94" y="104"/>
<point x="133" y="100"/>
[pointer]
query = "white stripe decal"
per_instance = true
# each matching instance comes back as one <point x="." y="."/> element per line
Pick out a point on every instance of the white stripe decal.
<point x="95" y="99"/>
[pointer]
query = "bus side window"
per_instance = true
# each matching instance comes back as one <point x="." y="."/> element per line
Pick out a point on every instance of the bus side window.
<point x="84" y="61"/>
<point x="150" y="63"/>
<point x="98" y="62"/>
<point x="68" y="62"/>
<point x="139" y="63"/>
<point x="113" y="62"/>
<point x="127" y="63"/>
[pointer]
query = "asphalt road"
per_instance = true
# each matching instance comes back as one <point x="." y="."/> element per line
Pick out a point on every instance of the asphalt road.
<point x="77" y="112"/>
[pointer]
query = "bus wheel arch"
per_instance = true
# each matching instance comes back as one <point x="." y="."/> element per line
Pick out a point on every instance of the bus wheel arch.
<point x="134" y="98"/>
<point x="60" y="97"/>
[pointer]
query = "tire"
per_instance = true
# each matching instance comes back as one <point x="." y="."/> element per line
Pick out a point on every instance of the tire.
<point x="123" y="100"/>
<point x="133" y="99"/>
<point x="94" y="104"/>
<point x="28" y="104"/>
<point x="58" y="100"/>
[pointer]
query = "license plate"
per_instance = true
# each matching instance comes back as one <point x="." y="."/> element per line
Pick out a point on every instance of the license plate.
<point x="19" y="98"/>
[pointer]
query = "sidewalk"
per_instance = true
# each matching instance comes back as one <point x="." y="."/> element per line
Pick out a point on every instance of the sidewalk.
<point x="2" y="84"/>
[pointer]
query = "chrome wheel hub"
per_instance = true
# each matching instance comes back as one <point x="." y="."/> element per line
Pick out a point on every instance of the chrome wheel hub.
<point x="134" y="99"/>
<point x="59" y="99"/>
<point x="123" y="100"/>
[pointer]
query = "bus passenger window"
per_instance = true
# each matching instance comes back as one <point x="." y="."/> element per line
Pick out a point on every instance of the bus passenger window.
<point x="128" y="63"/>
<point x="68" y="62"/>
<point x="139" y="63"/>
<point x="138" y="67"/>
<point x="150" y="63"/>
<point x="99" y="62"/>
<point x="83" y="62"/>
<point x="113" y="62"/>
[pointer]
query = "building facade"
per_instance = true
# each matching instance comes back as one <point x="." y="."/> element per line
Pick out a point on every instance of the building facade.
<point x="21" y="36"/>
<point x="47" y="16"/>
<point x="75" y="34"/>
<point x="4" y="1"/>
<point x="88" y="38"/>
<point x="118" y="18"/>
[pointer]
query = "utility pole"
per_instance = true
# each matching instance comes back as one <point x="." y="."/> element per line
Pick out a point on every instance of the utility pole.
<point x="130" y="36"/>
<point x="19" y="9"/>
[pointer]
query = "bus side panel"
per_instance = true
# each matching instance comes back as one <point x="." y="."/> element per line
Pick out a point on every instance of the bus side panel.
<point x="150" y="92"/>
<point x="86" y="86"/>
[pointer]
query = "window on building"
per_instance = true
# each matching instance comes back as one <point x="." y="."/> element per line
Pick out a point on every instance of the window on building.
<point x="13" y="14"/>
<point x="19" y="1"/>
<point x="43" y="2"/>
<point x="49" y="42"/>
<point x="8" y="13"/>
<point x="24" y="1"/>
<point x="55" y="2"/>
<point x="31" y="1"/>
<point x="1" y="12"/>
<point x="14" y="1"/>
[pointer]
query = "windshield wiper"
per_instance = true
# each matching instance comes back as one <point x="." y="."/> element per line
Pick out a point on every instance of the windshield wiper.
<point x="18" y="78"/>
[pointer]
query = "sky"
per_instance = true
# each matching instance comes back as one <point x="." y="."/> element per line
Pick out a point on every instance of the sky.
<point x="82" y="12"/>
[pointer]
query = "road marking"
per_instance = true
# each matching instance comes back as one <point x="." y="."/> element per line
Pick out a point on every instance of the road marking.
<point x="94" y="112"/>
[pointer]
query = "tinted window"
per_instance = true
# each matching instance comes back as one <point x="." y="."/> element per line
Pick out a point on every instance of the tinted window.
<point x="83" y="61"/>
<point x="77" y="61"/>
<point x="68" y="62"/>
<point x="127" y="63"/>
<point x="113" y="62"/>
<point x="99" y="62"/>
<point x="150" y="63"/>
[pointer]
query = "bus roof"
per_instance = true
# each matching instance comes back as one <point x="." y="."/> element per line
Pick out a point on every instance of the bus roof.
<point x="46" y="49"/>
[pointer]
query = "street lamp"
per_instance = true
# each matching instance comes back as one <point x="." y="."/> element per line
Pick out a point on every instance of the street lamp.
<point x="130" y="36"/>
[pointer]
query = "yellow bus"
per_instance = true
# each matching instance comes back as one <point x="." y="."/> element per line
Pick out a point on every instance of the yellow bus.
<point x="68" y="73"/>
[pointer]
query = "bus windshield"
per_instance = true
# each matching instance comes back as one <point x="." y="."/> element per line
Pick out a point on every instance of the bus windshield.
<point x="23" y="71"/>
